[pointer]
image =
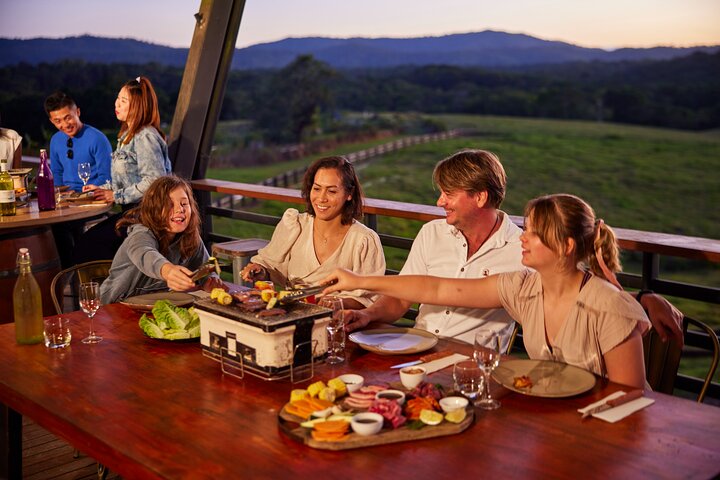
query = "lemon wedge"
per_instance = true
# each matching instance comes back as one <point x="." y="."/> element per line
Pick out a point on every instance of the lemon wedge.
<point x="456" y="416"/>
<point x="430" y="417"/>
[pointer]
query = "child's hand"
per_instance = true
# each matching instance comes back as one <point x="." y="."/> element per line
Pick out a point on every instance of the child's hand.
<point x="177" y="277"/>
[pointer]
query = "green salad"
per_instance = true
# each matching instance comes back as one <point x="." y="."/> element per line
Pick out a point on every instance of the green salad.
<point x="169" y="322"/>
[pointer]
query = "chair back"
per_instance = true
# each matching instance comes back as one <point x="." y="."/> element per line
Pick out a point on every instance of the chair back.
<point x="662" y="359"/>
<point x="66" y="282"/>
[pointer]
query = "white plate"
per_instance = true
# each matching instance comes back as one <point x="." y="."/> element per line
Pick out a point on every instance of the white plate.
<point x="146" y="301"/>
<point x="549" y="379"/>
<point x="394" y="341"/>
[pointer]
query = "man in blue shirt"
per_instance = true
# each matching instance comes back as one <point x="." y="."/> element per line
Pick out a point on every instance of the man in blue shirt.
<point x="75" y="143"/>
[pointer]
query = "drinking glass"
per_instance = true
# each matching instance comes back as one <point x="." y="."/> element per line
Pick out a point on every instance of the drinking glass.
<point x="84" y="172"/>
<point x="487" y="356"/>
<point x="468" y="378"/>
<point x="90" y="302"/>
<point x="57" y="332"/>
<point x="336" y="329"/>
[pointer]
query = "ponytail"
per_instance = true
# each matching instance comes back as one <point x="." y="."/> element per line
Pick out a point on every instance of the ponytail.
<point x="604" y="260"/>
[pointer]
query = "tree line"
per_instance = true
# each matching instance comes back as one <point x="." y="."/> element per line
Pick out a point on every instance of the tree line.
<point x="308" y="97"/>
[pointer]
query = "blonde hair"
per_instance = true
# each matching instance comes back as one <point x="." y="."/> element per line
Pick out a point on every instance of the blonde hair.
<point x="559" y="217"/>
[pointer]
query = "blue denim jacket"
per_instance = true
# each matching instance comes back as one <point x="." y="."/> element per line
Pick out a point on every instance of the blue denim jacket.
<point x="136" y="165"/>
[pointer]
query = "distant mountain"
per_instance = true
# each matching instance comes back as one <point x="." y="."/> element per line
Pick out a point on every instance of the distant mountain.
<point x="484" y="49"/>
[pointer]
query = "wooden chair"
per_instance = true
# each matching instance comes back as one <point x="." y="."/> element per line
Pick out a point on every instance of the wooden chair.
<point x="64" y="285"/>
<point x="663" y="359"/>
<point x="64" y="288"/>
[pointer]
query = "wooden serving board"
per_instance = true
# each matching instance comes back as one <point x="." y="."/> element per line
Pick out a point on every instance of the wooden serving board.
<point x="290" y="424"/>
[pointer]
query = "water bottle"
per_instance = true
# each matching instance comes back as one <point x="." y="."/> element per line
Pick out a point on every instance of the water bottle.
<point x="27" y="303"/>
<point x="45" y="183"/>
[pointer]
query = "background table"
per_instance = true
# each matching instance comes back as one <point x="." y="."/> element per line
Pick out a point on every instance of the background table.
<point x="30" y="228"/>
<point x="152" y="409"/>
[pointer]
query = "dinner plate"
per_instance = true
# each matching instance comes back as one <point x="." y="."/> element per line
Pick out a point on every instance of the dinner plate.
<point x="394" y="341"/>
<point x="549" y="379"/>
<point x="145" y="302"/>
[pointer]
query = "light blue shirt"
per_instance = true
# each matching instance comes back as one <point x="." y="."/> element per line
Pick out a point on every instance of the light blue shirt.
<point x="137" y="164"/>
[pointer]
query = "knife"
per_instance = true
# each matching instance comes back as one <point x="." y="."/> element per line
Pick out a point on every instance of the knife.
<point x="615" y="402"/>
<point x="424" y="359"/>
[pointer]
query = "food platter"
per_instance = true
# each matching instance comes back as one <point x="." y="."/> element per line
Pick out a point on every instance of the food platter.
<point x="549" y="379"/>
<point x="289" y="424"/>
<point x="145" y="302"/>
<point x="394" y="341"/>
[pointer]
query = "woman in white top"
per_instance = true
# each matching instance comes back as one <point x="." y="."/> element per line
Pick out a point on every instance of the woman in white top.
<point x="569" y="314"/>
<point x="306" y="247"/>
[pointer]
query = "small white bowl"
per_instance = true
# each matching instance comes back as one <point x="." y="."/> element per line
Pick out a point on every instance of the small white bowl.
<point x="448" y="404"/>
<point x="411" y="377"/>
<point x="396" y="395"/>
<point x="367" y="423"/>
<point x="352" y="381"/>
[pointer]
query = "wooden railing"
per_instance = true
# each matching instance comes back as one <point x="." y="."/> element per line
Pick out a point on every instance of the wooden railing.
<point x="651" y="245"/>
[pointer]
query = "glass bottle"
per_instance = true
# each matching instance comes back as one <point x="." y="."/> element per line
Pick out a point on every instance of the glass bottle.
<point x="27" y="303"/>
<point x="45" y="183"/>
<point x="7" y="190"/>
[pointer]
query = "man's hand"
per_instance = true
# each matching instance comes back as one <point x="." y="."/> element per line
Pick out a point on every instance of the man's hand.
<point x="356" y="319"/>
<point x="665" y="318"/>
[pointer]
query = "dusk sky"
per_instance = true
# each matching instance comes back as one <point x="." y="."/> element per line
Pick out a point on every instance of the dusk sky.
<point x="605" y="24"/>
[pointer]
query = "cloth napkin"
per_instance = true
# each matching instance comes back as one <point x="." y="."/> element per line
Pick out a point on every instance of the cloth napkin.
<point x="441" y="363"/>
<point x="612" y="415"/>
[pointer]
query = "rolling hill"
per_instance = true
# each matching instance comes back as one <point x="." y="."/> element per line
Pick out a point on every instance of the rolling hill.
<point x="483" y="49"/>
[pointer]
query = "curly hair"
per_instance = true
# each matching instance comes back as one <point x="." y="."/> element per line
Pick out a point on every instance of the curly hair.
<point x="353" y="208"/>
<point x="559" y="217"/>
<point x="143" y="109"/>
<point x="155" y="210"/>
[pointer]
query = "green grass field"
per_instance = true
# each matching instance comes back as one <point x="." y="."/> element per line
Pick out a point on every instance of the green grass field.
<point x="635" y="177"/>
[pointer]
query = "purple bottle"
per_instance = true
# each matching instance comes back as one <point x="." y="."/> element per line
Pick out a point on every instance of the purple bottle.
<point x="45" y="183"/>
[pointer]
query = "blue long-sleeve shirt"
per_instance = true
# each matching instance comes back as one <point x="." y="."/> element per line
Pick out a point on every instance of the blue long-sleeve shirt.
<point x="89" y="145"/>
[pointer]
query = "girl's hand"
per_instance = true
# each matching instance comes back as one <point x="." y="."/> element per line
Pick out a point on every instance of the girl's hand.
<point x="102" y="194"/>
<point x="344" y="280"/>
<point x="89" y="187"/>
<point x="177" y="277"/>
<point x="252" y="272"/>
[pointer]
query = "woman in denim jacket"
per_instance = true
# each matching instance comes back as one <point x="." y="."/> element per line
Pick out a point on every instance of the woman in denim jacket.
<point x="142" y="153"/>
<point x="140" y="158"/>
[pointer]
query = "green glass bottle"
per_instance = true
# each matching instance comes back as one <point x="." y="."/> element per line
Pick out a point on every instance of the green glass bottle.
<point x="27" y="303"/>
<point x="7" y="190"/>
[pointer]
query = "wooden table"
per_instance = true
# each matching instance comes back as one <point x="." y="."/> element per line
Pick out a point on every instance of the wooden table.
<point x="152" y="409"/>
<point x="30" y="228"/>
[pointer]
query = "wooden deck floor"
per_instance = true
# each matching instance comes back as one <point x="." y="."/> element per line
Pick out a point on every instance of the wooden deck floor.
<point x="47" y="457"/>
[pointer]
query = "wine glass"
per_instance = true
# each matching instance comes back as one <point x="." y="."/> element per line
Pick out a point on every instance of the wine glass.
<point x="336" y="329"/>
<point x="84" y="172"/>
<point x="90" y="302"/>
<point x="468" y="378"/>
<point x="487" y="356"/>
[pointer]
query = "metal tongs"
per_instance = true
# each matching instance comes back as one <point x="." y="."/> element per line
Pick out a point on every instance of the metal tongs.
<point x="291" y="296"/>
<point x="206" y="269"/>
